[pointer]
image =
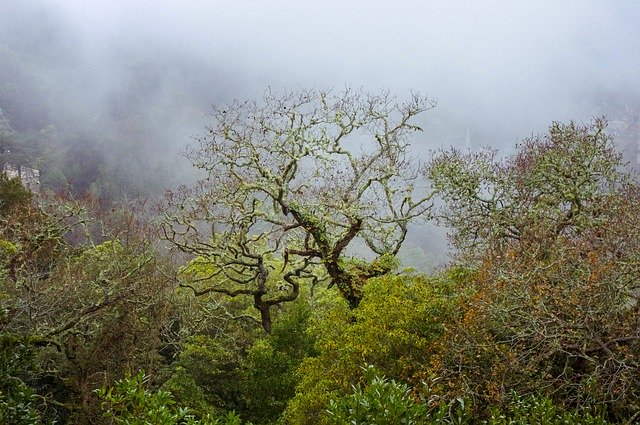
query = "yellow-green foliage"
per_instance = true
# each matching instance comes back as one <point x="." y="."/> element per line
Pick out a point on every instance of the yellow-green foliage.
<point x="198" y="268"/>
<point x="394" y="328"/>
<point x="7" y="248"/>
<point x="207" y="273"/>
<point x="109" y="247"/>
<point x="7" y="251"/>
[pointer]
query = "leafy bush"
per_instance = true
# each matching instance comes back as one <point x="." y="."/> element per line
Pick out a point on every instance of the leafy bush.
<point x="17" y="400"/>
<point x="385" y="401"/>
<point x="130" y="403"/>
<point x="269" y="375"/>
<point x="541" y="410"/>
<point x="206" y="376"/>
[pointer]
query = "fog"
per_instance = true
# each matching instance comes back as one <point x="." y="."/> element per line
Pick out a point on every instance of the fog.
<point x="116" y="88"/>
<point x="506" y="65"/>
<point x="524" y="62"/>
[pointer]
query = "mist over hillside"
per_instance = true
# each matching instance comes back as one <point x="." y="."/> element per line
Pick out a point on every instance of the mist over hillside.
<point x="103" y="95"/>
<point x="98" y="112"/>
<point x="140" y="78"/>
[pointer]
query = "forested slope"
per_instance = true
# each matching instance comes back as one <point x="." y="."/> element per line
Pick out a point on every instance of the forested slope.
<point x="534" y="321"/>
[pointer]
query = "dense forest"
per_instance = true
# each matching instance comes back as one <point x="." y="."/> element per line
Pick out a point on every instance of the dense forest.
<point x="289" y="265"/>
<point x="270" y="290"/>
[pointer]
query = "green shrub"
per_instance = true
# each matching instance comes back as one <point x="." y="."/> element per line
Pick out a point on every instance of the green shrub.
<point x="541" y="410"/>
<point x="206" y="376"/>
<point x="130" y="403"/>
<point x="387" y="402"/>
<point x="396" y="328"/>
<point x="17" y="400"/>
<point x="269" y="374"/>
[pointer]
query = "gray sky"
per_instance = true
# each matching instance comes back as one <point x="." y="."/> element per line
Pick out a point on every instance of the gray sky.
<point x="509" y="65"/>
<point x="527" y="62"/>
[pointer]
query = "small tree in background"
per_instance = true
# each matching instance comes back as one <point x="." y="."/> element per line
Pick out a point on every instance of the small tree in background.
<point x="12" y="194"/>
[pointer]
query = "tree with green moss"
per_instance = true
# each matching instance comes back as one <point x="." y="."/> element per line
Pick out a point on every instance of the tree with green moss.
<point x="300" y="176"/>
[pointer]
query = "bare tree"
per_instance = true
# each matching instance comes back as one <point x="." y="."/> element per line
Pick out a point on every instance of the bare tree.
<point x="296" y="179"/>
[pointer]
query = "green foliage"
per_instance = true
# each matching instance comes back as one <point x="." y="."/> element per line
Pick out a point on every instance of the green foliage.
<point x="185" y="388"/>
<point x="270" y="371"/>
<point x="384" y="401"/>
<point x="129" y="402"/>
<point x="17" y="399"/>
<point x="541" y="410"/>
<point x="12" y="194"/>
<point x="387" y="402"/>
<point x="381" y="402"/>
<point x="7" y="249"/>
<point x="94" y="312"/>
<point x="206" y="376"/>
<point x="396" y="328"/>
<point x="213" y="375"/>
